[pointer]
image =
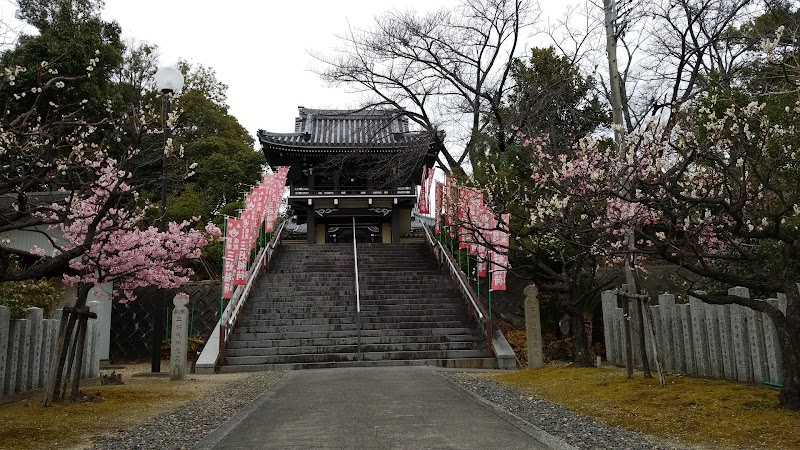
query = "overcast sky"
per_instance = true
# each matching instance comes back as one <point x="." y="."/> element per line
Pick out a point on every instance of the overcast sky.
<point x="260" y="49"/>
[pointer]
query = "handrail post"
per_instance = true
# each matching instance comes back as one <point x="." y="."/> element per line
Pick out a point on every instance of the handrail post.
<point x="358" y="292"/>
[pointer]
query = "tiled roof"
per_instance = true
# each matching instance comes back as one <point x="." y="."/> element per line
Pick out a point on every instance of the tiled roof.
<point x="315" y="128"/>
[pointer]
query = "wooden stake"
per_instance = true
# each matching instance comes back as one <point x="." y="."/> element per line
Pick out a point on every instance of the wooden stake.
<point x="76" y="377"/>
<point x="656" y="355"/>
<point x="54" y="379"/>
<point x="642" y="342"/>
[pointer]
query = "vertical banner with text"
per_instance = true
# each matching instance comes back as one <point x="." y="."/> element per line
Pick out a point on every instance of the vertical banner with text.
<point x="500" y="254"/>
<point x="232" y="240"/>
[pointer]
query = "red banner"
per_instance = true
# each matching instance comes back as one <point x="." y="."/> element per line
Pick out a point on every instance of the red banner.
<point x="438" y="206"/>
<point x="500" y="255"/>
<point x="484" y="239"/>
<point x="451" y="206"/>
<point x="246" y="233"/>
<point x="463" y="206"/>
<point x="232" y="243"/>
<point x="475" y="204"/>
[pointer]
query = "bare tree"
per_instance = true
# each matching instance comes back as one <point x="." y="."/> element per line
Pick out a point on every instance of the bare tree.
<point x="449" y="63"/>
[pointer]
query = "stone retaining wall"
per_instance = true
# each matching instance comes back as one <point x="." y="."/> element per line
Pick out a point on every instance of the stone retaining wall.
<point x="27" y="346"/>
<point x="721" y="341"/>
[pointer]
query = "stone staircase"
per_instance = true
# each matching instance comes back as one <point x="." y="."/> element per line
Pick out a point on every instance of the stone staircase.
<point x="303" y="313"/>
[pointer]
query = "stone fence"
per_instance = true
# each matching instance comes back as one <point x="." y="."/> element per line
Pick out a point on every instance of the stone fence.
<point x="721" y="341"/>
<point x="27" y="346"/>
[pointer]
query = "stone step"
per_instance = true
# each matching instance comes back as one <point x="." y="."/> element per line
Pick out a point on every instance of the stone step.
<point x="312" y="302"/>
<point x="354" y="356"/>
<point x="343" y="320"/>
<point x="271" y="328"/>
<point x="460" y="363"/>
<point x="346" y="316"/>
<point x="352" y="340"/>
<point x="252" y="309"/>
<point x="344" y="334"/>
<point x="354" y="348"/>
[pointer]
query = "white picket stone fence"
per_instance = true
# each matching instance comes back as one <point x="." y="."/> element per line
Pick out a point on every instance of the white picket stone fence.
<point x="27" y="346"/>
<point x="721" y="341"/>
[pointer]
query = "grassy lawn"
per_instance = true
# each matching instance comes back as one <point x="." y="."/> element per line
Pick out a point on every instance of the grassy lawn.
<point x="712" y="413"/>
<point x="26" y="424"/>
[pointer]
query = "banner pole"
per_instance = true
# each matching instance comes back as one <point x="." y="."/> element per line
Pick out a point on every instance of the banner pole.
<point x="224" y="246"/>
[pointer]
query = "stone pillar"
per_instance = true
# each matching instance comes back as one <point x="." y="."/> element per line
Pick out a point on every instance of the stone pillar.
<point x="13" y="357"/>
<point x="726" y="341"/>
<point x="714" y="340"/>
<point x="5" y="326"/>
<point x="688" y="341"/>
<point x="755" y="330"/>
<point x="180" y="338"/>
<point x="774" y="356"/>
<point x="311" y="226"/>
<point x="670" y="345"/>
<point x="533" y="328"/>
<point x="701" y="358"/>
<point x="23" y="359"/>
<point x="93" y="338"/>
<point x="36" y="318"/>
<point x="48" y="335"/>
<point x="741" y="347"/>
<point x="609" y="299"/>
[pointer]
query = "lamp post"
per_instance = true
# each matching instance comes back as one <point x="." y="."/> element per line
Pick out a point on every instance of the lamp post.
<point x="168" y="80"/>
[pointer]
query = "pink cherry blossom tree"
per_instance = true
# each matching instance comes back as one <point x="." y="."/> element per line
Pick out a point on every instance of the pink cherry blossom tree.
<point x="62" y="171"/>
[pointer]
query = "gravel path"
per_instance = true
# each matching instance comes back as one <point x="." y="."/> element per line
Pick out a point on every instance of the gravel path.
<point x="182" y="428"/>
<point x="581" y="431"/>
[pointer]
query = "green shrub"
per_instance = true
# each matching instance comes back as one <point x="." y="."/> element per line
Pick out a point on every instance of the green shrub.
<point x="21" y="295"/>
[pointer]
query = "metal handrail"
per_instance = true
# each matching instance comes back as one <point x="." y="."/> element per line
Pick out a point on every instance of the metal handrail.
<point x="355" y="262"/>
<point x="481" y="317"/>
<point x="358" y="291"/>
<point x="240" y="295"/>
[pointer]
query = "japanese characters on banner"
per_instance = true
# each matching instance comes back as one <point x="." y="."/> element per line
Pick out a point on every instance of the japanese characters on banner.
<point x="242" y="234"/>
<point x="437" y="213"/>
<point x="478" y="230"/>
<point x="500" y="242"/>
<point x="486" y="233"/>
<point x="463" y="206"/>
<point x="232" y="240"/>
<point x="424" y="207"/>
<point x="475" y="204"/>
<point x="243" y="256"/>
<point x="451" y="208"/>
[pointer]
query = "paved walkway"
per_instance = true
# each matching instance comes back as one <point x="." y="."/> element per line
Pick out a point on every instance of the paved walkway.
<point x="373" y="408"/>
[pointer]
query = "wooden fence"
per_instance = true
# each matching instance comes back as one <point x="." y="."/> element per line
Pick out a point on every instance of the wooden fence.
<point x="721" y="341"/>
<point x="27" y="346"/>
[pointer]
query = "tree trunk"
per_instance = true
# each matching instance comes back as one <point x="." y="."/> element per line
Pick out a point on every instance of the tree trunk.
<point x="576" y="320"/>
<point x="789" y="340"/>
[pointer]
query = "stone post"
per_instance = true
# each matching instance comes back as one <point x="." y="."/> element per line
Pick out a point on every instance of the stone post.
<point x="741" y="343"/>
<point x="5" y="326"/>
<point x="609" y="299"/>
<point x="93" y="340"/>
<point x="36" y="318"/>
<point x="533" y="328"/>
<point x="180" y="337"/>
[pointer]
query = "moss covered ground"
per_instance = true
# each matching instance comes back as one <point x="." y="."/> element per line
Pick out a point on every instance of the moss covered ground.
<point x="695" y="411"/>
<point x="26" y="424"/>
